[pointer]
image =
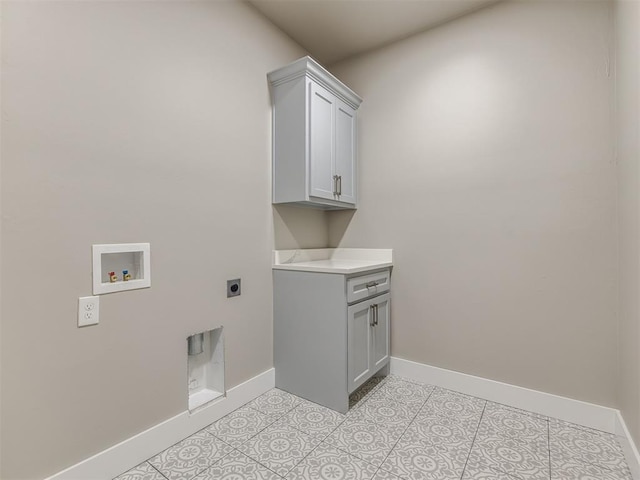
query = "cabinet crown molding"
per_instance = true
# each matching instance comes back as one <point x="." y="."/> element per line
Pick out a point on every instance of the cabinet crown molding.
<point x="307" y="66"/>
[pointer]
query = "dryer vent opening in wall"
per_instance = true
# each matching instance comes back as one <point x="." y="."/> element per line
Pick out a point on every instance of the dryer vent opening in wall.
<point x="205" y="368"/>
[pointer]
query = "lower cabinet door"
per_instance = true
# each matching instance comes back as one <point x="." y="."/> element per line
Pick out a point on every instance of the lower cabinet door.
<point x="380" y="331"/>
<point x="359" y="342"/>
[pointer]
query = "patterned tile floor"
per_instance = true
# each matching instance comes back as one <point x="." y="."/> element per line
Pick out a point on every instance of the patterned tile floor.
<point x="395" y="429"/>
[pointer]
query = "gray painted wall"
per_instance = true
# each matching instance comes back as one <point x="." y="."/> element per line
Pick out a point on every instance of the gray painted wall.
<point x="627" y="17"/>
<point x="486" y="163"/>
<point x="129" y="122"/>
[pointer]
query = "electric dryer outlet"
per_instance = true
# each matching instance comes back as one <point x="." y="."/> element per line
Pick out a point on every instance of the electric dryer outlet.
<point x="233" y="288"/>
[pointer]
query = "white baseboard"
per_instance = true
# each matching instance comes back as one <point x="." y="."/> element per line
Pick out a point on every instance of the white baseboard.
<point x="570" y="410"/>
<point x="129" y="453"/>
<point x="628" y="445"/>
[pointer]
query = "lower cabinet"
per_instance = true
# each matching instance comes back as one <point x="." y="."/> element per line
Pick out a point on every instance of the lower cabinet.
<point x="331" y="333"/>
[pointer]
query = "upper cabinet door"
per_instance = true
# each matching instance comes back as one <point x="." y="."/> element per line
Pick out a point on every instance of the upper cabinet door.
<point x="345" y="152"/>
<point x="321" y="142"/>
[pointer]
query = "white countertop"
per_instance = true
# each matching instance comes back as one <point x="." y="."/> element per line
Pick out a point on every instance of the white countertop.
<point x="333" y="260"/>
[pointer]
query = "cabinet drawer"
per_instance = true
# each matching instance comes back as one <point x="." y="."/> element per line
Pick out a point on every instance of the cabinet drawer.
<point x="364" y="286"/>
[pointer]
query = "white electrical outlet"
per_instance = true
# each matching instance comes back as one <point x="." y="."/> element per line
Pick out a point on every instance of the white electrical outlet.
<point x="88" y="311"/>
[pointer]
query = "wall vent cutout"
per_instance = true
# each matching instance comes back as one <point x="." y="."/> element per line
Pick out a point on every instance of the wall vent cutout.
<point x="205" y="368"/>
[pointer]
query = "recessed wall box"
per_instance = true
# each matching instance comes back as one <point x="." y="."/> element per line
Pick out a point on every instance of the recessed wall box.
<point x="133" y="258"/>
<point x="205" y="368"/>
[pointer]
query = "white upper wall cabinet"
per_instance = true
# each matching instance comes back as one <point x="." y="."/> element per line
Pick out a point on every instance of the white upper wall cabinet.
<point x="314" y="137"/>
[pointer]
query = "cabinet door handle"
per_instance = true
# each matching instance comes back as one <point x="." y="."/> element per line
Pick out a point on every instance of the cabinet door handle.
<point x="339" y="185"/>
<point x="335" y="184"/>
<point x="374" y="315"/>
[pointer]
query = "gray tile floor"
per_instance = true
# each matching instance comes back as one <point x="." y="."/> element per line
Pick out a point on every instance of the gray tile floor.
<point x="395" y="429"/>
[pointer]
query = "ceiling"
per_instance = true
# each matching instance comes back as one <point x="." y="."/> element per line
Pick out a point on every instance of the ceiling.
<point x="332" y="30"/>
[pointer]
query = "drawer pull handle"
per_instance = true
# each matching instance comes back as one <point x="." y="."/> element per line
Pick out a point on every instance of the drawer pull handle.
<point x="372" y="284"/>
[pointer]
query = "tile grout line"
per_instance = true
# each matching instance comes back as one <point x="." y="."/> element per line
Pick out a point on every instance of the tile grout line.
<point x="315" y="434"/>
<point x="549" y="445"/>
<point x="217" y="461"/>
<point x="362" y="401"/>
<point x="269" y="425"/>
<point x="474" y="440"/>
<point x="514" y="474"/>
<point x="252" y="436"/>
<point x="186" y="438"/>
<point x="259" y="463"/>
<point x="403" y="432"/>
<point x="599" y="466"/>
<point x="162" y="474"/>
<point x="236" y="449"/>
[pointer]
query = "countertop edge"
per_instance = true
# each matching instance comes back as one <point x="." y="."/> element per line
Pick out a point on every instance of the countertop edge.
<point x="338" y="270"/>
